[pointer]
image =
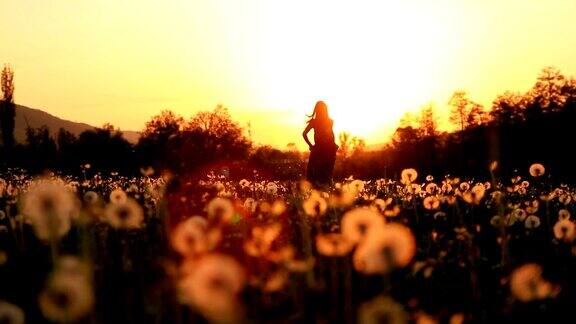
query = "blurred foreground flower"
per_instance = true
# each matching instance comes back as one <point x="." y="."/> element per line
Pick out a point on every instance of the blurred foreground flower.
<point x="358" y="222"/>
<point x="127" y="214"/>
<point x="261" y="239"/>
<point x="564" y="230"/>
<point x="408" y="176"/>
<point x="67" y="296"/>
<point x="220" y="210"/>
<point x="10" y="314"/>
<point x="192" y="237"/>
<point x="118" y="196"/>
<point x="315" y="205"/>
<point x="537" y="170"/>
<point x="212" y="288"/>
<point x="49" y="207"/>
<point x="385" y="249"/>
<point x="527" y="284"/>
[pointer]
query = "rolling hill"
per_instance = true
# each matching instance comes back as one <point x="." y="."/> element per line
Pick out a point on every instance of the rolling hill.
<point x="26" y="116"/>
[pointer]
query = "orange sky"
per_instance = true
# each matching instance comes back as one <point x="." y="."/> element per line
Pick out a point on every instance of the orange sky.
<point x="269" y="61"/>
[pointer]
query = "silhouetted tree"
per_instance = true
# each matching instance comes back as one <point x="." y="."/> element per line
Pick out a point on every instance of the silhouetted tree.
<point x="211" y="136"/>
<point x="508" y="108"/>
<point x="428" y="123"/>
<point x="106" y="149"/>
<point x="477" y="115"/>
<point x="464" y="112"/>
<point x="156" y="144"/>
<point x="41" y="149"/>
<point x="344" y="143"/>
<point x="547" y="93"/>
<point x="569" y="91"/>
<point x="7" y="107"/>
<point x="408" y="120"/>
<point x="169" y="142"/>
<point x="165" y="124"/>
<point x="67" y="150"/>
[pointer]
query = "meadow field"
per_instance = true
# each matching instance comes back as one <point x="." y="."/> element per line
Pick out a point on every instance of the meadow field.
<point x="104" y="248"/>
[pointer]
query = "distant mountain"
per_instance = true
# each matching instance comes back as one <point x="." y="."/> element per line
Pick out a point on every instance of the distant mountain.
<point x="35" y="118"/>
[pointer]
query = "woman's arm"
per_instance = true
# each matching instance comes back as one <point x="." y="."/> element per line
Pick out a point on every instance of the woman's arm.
<point x="305" y="135"/>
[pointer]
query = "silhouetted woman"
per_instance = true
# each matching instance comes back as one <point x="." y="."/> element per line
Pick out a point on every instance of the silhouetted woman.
<point x="323" y="152"/>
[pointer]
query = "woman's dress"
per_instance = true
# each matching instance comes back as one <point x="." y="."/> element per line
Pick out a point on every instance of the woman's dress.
<point x="323" y="154"/>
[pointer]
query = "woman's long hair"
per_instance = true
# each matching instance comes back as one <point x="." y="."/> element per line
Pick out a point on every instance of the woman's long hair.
<point x="320" y="112"/>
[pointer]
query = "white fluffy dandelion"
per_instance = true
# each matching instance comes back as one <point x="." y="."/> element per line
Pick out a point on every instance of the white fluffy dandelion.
<point x="50" y="208"/>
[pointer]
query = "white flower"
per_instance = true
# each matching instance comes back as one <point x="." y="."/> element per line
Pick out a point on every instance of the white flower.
<point x="128" y="214"/>
<point x="118" y="196"/>
<point x="49" y="207"/>
<point x="10" y="314"/>
<point x="67" y="296"/>
<point x="358" y="222"/>
<point x="220" y="210"/>
<point x="390" y="247"/>
<point x="212" y="287"/>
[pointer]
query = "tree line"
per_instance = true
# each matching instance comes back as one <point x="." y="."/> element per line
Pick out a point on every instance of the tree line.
<point x="518" y="129"/>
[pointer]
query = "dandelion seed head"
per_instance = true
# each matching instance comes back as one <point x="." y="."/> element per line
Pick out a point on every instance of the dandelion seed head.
<point x="432" y="188"/>
<point x="537" y="170"/>
<point x="220" y="210"/>
<point x="358" y="222"/>
<point x="11" y="314"/>
<point x="189" y="237"/>
<point x="271" y="188"/>
<point x="446" y="187"/>
<point x="250" y="204"/>
<point x="431" y="203"/>
<point x="527" y="284"/>
<point x="126" y="215"/>
<point x="50" y="208"/>
<point x="389" y="247"/>
<point x="315" y="205"/>
<point x="496" y="221"/>
<point x="244" y="183"/>
<point x="532" y="222"/>
<point x="408" y="176"/>
<point x="563" y="214"/>
<point x="519" y="214"/>
<point x="212" y="287"/>
<point x="564" y="230"/>
<point x="66" y="298"/>
<point x="118" y="196"/>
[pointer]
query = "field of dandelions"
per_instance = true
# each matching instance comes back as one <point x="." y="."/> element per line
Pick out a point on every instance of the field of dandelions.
<point x="160" y="249"/>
